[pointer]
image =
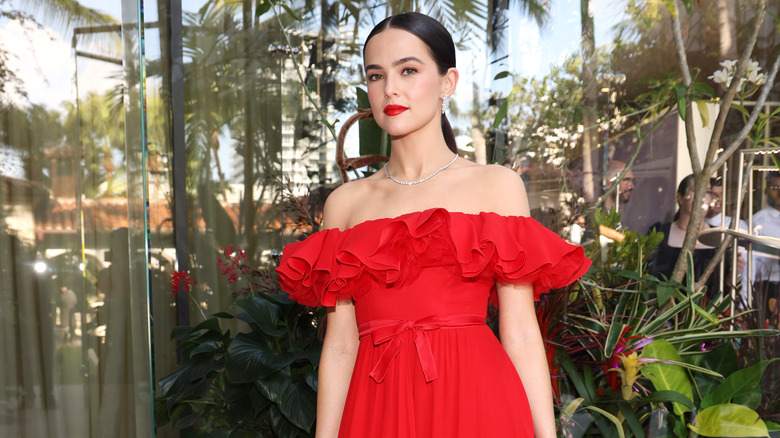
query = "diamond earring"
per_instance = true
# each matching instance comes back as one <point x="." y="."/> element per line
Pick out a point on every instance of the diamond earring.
<point x="444" y="102"/>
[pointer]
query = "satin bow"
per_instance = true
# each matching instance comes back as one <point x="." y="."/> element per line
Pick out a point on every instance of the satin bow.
<point x="389" y="330"/>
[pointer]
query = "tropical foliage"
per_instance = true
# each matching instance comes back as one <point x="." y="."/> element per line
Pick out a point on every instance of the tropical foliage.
<point x="259" y="380"/>
<point x="641" y="356"/>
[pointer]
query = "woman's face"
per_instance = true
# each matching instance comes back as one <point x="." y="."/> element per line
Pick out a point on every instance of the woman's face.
<point x="404" y="84"/>
<point x="686" y="202"/>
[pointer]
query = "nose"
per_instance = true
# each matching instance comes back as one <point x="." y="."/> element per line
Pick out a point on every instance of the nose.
<point x="390" y="87"/>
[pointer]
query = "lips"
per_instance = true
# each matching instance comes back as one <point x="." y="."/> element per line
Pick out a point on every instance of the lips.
<point x="394" y="110"/>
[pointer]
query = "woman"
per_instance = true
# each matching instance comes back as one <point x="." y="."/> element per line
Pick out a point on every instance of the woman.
<point x="408" y="260"/>
<point x="668" y="250"/>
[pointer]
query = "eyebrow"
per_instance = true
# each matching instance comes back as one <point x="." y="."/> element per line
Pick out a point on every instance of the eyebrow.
<point x="395" y="63"/>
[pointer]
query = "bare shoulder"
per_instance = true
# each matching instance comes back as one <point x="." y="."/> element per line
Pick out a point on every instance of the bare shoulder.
<point x="503" y="190"/>
<point x="342" y="201"/>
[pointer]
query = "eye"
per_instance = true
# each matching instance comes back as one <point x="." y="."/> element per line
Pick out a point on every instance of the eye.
<point x="408" y="71"/>
<point x="374" y="77"/>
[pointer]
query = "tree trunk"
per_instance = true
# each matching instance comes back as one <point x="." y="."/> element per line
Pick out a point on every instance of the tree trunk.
<point x="590" y="136"/>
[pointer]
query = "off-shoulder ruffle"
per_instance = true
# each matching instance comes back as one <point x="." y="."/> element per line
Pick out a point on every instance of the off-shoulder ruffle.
<point x="332" y="265"/>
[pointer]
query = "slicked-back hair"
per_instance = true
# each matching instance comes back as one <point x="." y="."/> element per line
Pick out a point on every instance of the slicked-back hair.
<point x="440" y="46"/>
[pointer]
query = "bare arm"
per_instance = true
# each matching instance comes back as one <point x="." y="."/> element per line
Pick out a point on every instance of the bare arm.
<point x="339" y="351"/>
<point x="517" y="325"/>
<point x="340" y="346"/>
<point x="522" y="340"/>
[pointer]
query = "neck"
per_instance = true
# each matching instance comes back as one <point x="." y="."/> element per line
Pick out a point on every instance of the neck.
<point x="415" y="158"/>
<point x="609" y="203"/>
<point x="683" y="220"/>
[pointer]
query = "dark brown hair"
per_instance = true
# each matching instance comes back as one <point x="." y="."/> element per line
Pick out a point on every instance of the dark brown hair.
<point x="440" y="45"/>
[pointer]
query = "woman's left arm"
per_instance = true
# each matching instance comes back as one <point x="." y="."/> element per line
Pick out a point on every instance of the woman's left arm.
<point x="522" y="340"/>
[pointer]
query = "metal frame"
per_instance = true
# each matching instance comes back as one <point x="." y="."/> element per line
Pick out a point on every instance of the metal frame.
<point x="735" y="221"/>
<point x="178" y="147"/>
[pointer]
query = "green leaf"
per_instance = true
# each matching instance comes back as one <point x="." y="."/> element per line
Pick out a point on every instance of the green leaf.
<point x="312" y="380"/>
<point x="311" y="354"/>
<point x="729" y="420"/>
<point x="210" y="324"/>
<point x="281" y="426"/>
<point x="262" y="313"/>
<point x="610" y="417"/>
<point x="737" y="384"/>
<point x="772" y="426"/>
<point x="664" y="293"/>
<point x="502" y="110"/>
<point x="613" y="337"/>
<point x="661" y="319"/>
<point x="249" y="359"/>
<point x="238" y="402"/>
<point x="290" y="12"/>
<point x="712" y="319"/>
<point x="671" y="396"/>
<point x="275" y="386"/>
<point x="179" y="381"/>
<point x="667" y="377"/>
<point x="681" y="106"/>
<point x="501" y="75"/>
<point x="751" y="400"/>
<point x="575" y="377"/>
<point x="631" y="275"/>
<point x="208" y="347"/>
<point x="631" y="418"/>
<point x="722" y="359"/>
<point x="704" y="113"/>
<point x="690" y="278"/>
<point x="300" y="405"/>
<point x="263" y="6"/>
<point x="700" y="89"/>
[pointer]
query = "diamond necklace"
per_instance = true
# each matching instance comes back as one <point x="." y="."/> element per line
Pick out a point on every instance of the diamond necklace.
<point x="410" y="183"/>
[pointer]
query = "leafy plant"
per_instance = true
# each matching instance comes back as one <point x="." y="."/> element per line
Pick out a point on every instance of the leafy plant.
<point x="262" y="380"/>
<point x="640" y="355"/>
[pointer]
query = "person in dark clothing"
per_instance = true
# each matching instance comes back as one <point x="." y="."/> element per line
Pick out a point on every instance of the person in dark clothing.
<point x="662" y="263"/>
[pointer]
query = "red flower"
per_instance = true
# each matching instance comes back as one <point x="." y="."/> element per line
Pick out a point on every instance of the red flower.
<point x="181" y="281"/>
<point x="231" y="262"/>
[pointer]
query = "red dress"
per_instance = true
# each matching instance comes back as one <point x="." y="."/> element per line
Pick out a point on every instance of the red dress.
<point x="427" y="365"/>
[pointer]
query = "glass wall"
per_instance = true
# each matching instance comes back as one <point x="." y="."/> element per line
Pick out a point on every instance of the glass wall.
<point x="141" y="140"/>
<point x="76" y="352"/>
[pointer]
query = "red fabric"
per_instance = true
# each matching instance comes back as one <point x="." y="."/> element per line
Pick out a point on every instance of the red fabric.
<point x="382" y="331"/>
<point x="427" y="365"/>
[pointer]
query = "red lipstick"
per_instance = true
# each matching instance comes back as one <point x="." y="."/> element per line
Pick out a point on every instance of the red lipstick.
<point x="394" y="110"/>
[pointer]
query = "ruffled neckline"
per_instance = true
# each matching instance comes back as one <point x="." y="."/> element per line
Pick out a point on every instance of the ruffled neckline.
<point x="333" y="264"/>
<point x="425" y="212"/>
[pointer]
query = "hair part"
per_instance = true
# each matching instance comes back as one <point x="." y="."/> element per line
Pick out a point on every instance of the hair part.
<point x="440" y="46"/>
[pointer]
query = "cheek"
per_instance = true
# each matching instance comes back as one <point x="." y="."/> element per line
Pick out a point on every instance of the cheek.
<point x="374" y="95"/>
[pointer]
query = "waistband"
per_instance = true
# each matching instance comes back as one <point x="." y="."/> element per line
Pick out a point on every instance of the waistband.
<point x="389" y="330"/>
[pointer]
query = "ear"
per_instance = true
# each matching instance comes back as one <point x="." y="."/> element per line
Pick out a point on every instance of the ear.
<point x="450" y="82"/>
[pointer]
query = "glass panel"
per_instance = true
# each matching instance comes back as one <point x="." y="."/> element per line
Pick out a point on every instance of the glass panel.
<point x="233" y="132"/>
<point x="75" y="358"/>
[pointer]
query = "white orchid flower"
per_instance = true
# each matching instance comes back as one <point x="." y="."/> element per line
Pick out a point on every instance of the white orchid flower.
<point x="720" y="77"/>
